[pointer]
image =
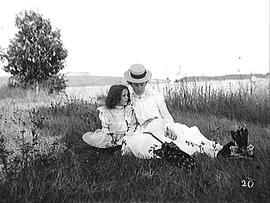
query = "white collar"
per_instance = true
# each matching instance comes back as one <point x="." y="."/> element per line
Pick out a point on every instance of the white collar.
<point x="145" y="94"/>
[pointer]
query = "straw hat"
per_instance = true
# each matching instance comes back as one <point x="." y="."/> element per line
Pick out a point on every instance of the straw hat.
<point x="137" y="74"/>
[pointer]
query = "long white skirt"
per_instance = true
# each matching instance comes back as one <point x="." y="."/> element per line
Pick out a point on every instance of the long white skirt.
<point x="189" y="139"/>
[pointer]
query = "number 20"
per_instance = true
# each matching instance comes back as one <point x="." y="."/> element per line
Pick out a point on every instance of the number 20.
<point x="248" y="183"/>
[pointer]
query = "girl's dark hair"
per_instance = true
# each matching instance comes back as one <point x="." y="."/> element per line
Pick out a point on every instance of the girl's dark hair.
<point x="114" y="96"/>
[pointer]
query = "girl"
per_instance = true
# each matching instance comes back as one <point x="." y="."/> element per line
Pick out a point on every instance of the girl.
<point x="117" y="119"/>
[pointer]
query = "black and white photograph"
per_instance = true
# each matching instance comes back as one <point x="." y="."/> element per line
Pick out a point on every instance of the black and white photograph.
<point x="135" y="101"/>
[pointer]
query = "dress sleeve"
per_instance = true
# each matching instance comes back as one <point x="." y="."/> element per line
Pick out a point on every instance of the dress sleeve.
<point x="163" y="108"/>
<point x="105" y="117"/>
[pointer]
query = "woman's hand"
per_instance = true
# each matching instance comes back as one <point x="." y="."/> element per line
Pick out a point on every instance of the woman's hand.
<point x="129" y="133"/>
<point x="170" y="134"/>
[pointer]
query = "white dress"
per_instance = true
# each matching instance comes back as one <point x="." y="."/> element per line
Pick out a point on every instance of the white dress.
<point x="152" y="105"/>
<point x="116" y="123"/>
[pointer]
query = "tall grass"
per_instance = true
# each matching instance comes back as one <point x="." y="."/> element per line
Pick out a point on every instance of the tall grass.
<point x="43" y="159"/>
<point x="241" y="104"/>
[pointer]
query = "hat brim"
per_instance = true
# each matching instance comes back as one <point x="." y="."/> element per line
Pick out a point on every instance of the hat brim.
<point x="147" y="77"/>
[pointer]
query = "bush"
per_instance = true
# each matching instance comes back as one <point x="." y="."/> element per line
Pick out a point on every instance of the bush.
<point x="55" y="84"/>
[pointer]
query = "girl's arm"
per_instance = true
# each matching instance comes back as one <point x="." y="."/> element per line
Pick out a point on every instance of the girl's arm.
<point x="106" y="119"/>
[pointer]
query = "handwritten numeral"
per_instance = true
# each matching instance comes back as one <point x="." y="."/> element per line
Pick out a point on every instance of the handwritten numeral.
<point x="247" y="183"/>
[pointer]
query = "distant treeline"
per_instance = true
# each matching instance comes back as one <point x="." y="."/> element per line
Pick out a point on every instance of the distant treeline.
<point x="224" y="77"/>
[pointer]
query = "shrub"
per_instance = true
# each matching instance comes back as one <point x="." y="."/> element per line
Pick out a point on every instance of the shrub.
<point x="55" y="84"/>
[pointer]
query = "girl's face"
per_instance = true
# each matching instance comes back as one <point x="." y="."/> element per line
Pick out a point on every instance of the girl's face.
<point x="138" y="88"/>
<point x="124" y="98"/>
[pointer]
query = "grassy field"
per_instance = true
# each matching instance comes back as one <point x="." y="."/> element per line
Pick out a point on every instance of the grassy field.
<point x="43" y="158"/>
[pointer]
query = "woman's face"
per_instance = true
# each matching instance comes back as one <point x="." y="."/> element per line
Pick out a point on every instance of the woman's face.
<point x="124" y="98"/>
<point x="138" y="88"/>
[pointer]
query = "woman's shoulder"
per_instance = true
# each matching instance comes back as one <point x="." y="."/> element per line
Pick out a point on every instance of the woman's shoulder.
<point x="152" y="91"/>
<point x="156" y="94"/>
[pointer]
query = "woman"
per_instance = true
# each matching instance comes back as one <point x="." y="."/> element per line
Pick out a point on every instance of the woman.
<point x="153" y="116"/>
<point x="117" y="119"/>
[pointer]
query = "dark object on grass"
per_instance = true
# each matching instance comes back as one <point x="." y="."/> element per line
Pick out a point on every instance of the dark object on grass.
<point x="240" y="137"/>
<point x="109" y="150"/>
<point x="172" y="154"/>
<point x="238" y="148"/>
<point x="225" y="152"/>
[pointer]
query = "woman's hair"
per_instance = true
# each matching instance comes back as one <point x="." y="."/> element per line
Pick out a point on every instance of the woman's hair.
<point x="114" y="96"/>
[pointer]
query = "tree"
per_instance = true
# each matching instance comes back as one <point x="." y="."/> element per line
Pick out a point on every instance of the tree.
<point x="36" y="53"/>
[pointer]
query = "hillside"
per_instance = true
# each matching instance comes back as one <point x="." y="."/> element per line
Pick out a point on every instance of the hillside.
<point x="84" y="80"/>
<point x="81" y="80"/>
<point x="91" y="80"/>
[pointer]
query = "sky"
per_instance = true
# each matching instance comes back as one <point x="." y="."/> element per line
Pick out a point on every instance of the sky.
<point x="172" y="38"/>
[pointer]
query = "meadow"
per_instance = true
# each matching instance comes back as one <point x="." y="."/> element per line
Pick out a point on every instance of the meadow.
<point x="43" y="158"/>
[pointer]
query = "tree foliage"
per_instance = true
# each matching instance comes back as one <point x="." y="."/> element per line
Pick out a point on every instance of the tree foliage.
<point x="36" y="53"/>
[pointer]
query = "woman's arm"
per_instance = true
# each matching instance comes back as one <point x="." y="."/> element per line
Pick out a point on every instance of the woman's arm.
<point x="164" y="112"/>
